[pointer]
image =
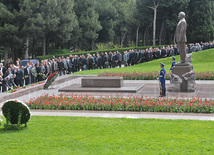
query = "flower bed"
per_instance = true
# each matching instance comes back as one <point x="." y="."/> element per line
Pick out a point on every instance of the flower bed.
<point x="152" y="75"/>
<point x="122" y="104"/>
<point x="51" y="78"/>
<point x="24" y="87"/>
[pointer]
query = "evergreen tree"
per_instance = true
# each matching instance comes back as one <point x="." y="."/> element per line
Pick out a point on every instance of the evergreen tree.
<point x="107" y="17"/>
<point x="32" y="21"/>
<point x="8" y="30"/>
<point x="200" y="22"/>
<point x="89" y="25"/>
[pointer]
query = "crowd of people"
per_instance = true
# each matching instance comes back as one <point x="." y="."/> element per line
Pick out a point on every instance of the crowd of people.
<point x="16" y="75"/>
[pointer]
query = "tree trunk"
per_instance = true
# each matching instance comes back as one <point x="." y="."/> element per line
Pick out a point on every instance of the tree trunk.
<point x="47" y="45"/>
<point x="123" y="39"/>
<point x="77" y="46"/>
<point x="171" y="41"/>
<point x="145" y="38"/>
<point x="14" y="57"/>
<point x="154" y="25"/>
<point x="161" y="32"/>
<point x="154" y="8"/>
<point x="137" y="36"/>
<point x="27" y="47"/>
<point x="5" y="55"/>
<point x="33" y="49"/>
<point x="44" y="45"/>
<point x="92" y="45"/>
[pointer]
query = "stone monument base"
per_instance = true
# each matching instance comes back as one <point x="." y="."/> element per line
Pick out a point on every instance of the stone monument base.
<point x="126" y="88"/>
<point x="183" y="78"/>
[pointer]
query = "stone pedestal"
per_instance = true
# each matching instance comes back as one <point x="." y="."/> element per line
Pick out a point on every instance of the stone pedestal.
<point x="181" y="69"/>
<point x="102" y="82"/>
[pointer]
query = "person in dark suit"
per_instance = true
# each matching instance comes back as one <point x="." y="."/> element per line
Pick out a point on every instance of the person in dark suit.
<point x="99" y="61"/>
<point x="27" y="74"/>
<point x="19" y="77"/>
<point x="146" y="55"/>
<point x="119" y="59"/>
<point x="106" y="60"/>
<point x="2" y="69"/>
<point x="103" y="60"/>
<point x="83" y="63"/>
<point x="1" y="84"/>
<point x="129" y="57"/>
<point x="74" y="64"/>
<point x="8" y="72"/>
<point x="60" y="66"/>
<point x="5" y="84"/>
<point x="38" y="71"/>
<point x="70" y="63"/>
<point x="33" y="73"/>
<point x="157" y="53"/>
<point x="114" y="63"/>
<point x="11" y="80"/>
<point x="90" y="62"/>
<point x="110" y="59"/>
<point x="163" y="52"/>
<point x="125" y="58"/>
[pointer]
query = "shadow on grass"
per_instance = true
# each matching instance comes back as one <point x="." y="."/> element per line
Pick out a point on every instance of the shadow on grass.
<point x="11" y="129"/>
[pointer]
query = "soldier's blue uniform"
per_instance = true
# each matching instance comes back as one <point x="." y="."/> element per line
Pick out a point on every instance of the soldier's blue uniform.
<point x="163" y="80"/>
<point x="173" y="63"/>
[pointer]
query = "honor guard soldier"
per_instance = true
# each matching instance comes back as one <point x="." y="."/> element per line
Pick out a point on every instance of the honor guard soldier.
<point x="162" y="80"/>
<point x="173" y="63"/>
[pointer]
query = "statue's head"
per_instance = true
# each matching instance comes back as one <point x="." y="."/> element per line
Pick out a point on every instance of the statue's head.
<point x="181" y="15"/>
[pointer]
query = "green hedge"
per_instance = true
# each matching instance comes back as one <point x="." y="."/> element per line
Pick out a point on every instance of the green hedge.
<point x="93" y="52"/>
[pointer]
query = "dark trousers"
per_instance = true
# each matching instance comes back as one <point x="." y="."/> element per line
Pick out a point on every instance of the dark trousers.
<point x="27" y="81"/>
<point x="119" y="63"/>
<point x="110" y="64"/>
<point x="20" y="83"/>
<point x="163" y="84"/>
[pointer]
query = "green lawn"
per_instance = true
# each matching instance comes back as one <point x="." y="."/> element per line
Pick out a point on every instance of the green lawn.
<point x="77" y="135"/>
<point x="202" y="62"/>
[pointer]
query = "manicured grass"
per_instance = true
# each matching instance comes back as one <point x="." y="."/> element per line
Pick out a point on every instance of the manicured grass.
<point x="202" y="62"/>
<point x="76" y="135"/>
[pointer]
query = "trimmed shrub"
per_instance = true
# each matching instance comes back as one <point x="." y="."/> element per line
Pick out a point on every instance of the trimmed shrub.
<point x="96" y="51"/>
<point x="16" y="113"/>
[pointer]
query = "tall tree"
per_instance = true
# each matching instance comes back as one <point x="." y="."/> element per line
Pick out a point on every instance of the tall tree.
<point x="154" y="8"/>
<point x="200" y="22"/>
<point x="126" y="17"/>
<point x="107" y="17"/>
<point x="168" y="17"/>
<point x="88" y="21"/>
<point x="8" y="31"/>
<point x="32" y="21"/>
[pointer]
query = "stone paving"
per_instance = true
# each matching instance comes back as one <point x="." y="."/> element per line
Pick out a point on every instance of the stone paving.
<point x="205" y="89"/>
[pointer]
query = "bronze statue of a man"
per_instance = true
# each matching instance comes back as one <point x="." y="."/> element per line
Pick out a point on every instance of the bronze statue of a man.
<point x="180" y="36"/>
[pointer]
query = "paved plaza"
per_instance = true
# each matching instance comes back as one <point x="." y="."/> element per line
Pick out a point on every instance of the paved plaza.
<point x="205" y="89"/>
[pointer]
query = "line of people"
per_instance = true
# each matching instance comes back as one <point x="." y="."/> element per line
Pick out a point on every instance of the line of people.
<point x="14" y="75"/>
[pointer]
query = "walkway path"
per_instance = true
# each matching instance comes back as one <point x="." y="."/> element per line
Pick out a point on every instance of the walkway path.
<point x="205" y="89"/>
<point x="134" y="115"/>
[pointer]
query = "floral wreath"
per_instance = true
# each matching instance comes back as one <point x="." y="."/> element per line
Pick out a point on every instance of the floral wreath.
<point x="51" y="78"/>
